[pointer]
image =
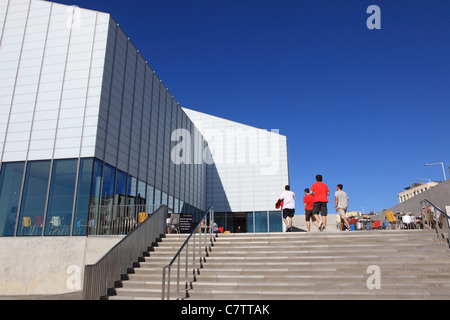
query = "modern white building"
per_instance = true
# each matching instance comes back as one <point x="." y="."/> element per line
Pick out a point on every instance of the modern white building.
<point x="85" y="122"/>
<point x="249" y="173"/>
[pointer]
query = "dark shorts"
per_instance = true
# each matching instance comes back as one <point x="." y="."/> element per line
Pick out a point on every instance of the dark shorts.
<point x="320" y="207"/>
<point x="288" y="213"/>
<point x="308" y="215"/>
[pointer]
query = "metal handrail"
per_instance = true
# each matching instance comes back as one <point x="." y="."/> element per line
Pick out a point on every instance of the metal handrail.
<point x="165" y="294"/>
<point x="439" y="223"/>
<point x="101" y="276"/>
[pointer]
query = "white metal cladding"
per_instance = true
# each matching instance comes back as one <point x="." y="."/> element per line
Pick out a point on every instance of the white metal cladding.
<point x="248" y="174"/>
<point x="73" y="85"/>
<point x="51" y="77"/>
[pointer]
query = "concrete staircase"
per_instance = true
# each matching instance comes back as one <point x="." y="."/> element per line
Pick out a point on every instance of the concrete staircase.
<point x="145" y="280"/>
<point x="410" y="264"/>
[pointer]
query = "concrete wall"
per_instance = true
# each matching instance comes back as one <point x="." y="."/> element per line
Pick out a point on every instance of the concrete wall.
<point x="48" y="265"/>
<point x="438" y="195"/>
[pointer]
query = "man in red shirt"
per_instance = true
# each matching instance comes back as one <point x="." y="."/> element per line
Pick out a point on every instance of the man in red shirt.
<point x="308" y="201"/>
<point x="320" y="192"/>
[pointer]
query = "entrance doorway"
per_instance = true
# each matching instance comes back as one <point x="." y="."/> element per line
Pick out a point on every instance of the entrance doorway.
<point x="239" y="222"/>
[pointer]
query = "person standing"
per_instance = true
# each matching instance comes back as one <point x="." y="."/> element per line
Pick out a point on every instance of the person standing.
<point x="320" y="192"/>
<point x="308" y="201"/>
<point x="288" y="198"/>
<point x="341" y="205"/>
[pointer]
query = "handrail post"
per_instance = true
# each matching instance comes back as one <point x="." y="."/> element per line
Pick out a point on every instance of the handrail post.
<point x="200" y="246"/>
<point x="187" y="264"/>
<point x="178" y="276"/>
<point x="168" y="283"/>
<point x="163" y="283"/>
<point x="193" y="257"/>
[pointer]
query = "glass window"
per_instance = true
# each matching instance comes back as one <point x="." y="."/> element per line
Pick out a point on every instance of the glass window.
<point x="132" y="186"/>
<point x="108" y="185"/>
<point x="220" y="219"/>
<point x="32" y="209"/>
<point x="10" y="184"/>
<point x="141" y="195"/>
<point x="261" y="221"/>
<point x="275" y="221"/>
<point x="176" y="206"/>
<point x="94" y="201"/>
<point x="82" y="202"/>
<point x="164" y="198"/>
<point x="121" y="188"/>
<point x="182" y="207"/>
<point x="60" y="201"/>
<point x="106" y="210"/>
<point x="150" y="197"/>
<point x="250" y="222"/>
<point x="157" y="196"/>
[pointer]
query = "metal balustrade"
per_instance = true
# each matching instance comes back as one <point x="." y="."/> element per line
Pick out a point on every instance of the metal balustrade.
<point x="435" y="218"/>
<point x="192" y="246"/>
<point x="100" y="277"/>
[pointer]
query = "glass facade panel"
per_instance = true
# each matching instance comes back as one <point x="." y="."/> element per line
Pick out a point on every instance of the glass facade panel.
<point x="60" y="202"/>
<point x="150" y="195"/>
<point x="34" y="197"/>
<point x="10" y="185"/>
<point x="157" y="196"/>
<point x="82" y="201"/>
<point x="141" y="193"/>
<point x="131" y="194"/>
<point x="94" y="202"/>
<point x="109" y="174"/>
<point x="250" y="222"/>
<point x="182" y="207"/>
<point x="121" y="188"/>
<point x="261" y="221"/>
<point x="275" y="221"/>
<point x="164" y="198"/>
<point x="170" y="202"/>
<point x="220" y="219"/>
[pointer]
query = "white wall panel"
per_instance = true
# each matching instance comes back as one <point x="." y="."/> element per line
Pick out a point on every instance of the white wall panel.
<point x="47" y="70"/>
<point x="237" y="182"/>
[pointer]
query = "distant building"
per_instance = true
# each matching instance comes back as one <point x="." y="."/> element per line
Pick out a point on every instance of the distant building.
<point x="415" y="189"/>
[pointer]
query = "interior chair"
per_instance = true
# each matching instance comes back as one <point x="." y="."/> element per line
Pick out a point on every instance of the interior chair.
<point x="26" y="224"/>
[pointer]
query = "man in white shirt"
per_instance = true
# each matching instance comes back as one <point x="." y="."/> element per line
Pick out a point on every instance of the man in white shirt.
<point x="341" y="205"/>
<point x="288" y="198"/>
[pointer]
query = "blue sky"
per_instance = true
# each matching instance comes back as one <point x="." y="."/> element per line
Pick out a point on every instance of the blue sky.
<point x="365" y="108"/>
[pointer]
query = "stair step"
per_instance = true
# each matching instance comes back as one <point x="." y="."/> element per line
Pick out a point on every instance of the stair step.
<point x="330" y="265"/>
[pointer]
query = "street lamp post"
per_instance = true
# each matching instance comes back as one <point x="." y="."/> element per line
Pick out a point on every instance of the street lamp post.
<point x="441" y="163"/>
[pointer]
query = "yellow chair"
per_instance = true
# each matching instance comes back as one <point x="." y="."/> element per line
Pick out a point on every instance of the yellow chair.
<point x="392" y="220"/>
<point x="26" y="222"/>
<point x="142" y="216"/>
